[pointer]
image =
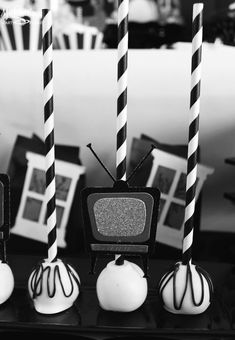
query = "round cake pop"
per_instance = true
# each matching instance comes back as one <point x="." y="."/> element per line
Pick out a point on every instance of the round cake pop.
<point x="53" y="286"/>
<point x="6" y="282"/>
<point x="121" y="288"/>
<point x="187" y="289"/>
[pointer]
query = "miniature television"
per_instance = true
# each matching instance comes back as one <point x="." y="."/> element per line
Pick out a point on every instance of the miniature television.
<point x="120" y="220"/>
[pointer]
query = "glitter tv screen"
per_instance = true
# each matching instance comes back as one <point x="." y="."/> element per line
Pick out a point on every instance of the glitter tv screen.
<point x="121" y="217"/>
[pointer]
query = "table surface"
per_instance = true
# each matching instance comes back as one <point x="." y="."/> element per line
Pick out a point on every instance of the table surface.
<point x="87" y="319"/>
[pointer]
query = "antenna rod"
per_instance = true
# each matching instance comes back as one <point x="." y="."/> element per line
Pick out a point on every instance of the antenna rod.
<point x="141" y="162"/>
<point x="102" y="164"/>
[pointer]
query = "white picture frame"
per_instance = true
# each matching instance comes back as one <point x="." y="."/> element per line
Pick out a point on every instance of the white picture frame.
<point x="31" y="215"/>
<point x="168" y="173"/>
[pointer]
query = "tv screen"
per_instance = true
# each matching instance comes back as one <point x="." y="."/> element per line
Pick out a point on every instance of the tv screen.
<point x="120" y="217"/>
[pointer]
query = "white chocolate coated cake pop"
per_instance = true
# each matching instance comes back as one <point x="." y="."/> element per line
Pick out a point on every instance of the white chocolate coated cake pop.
<point x="53" y="286"/>
<point x="6" y="282"/>
<point x="121" y="288"/>
<point x="187" y="289"/>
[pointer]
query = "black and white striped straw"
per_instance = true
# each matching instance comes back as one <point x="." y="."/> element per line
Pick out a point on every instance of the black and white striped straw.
<point x="49" y="133"/>
<point x="197" y="31"/>
<point x="123" y="10"/>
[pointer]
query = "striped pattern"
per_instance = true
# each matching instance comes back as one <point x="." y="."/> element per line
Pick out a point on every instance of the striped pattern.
<point x="123" y="8"/>
<point x="49" y="133"/>
<point x="16" y="37"/>
<point x="193" y="132"/>
<point x="86" y="39"/>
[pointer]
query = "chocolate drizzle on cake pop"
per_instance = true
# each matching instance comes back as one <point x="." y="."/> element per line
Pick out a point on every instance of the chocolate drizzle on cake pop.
<point x="173" y="274"/>
<point x="36" y="282"/>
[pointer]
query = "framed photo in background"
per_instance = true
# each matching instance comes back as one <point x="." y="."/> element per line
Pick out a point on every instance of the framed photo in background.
<point x="166" y="168"/>
<point x="31" y="215"/>
<point x="168" y="173"/>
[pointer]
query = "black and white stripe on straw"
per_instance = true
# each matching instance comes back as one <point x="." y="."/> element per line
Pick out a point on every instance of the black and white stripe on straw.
<point x="192" y="160"/>
<point x="123" y="9"/>
<point x="49" y="133"/>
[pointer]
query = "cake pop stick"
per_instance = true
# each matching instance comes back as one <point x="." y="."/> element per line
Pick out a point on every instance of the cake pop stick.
<point x="121" y="286"/>
<point x="188" y="288"/>
<point x="49" y="135"/>
<point x="3" y="251"/>
<point x="4" y="213"/>
<point x="6" y="275"/>
<point x="123" y="9"/>
<point x="53" y="284"/>
<point x="192" y="158"/>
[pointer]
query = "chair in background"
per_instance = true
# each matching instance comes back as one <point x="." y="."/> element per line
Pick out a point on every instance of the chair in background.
<point x="77" y="36"/>
<point x="22" y="31"/>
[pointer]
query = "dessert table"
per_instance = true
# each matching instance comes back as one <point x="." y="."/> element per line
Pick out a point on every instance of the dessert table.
<point x="86" y="320"/>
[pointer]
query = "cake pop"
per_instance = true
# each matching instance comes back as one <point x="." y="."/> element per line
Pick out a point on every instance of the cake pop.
<point x="121" y="288"/>
<point x="6" y="282"/>
<point x="187" y="289"/>
<point x="53" y="285"/>
<point x="121" y="220"/>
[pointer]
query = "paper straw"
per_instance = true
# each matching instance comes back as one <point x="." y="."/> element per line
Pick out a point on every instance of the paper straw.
<point x="123" y="8"/>
<point x="49" y="133"/>
<point x="192" y="159"/>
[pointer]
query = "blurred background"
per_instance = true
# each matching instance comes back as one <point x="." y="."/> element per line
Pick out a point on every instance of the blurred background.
<point x="152" y="23"/>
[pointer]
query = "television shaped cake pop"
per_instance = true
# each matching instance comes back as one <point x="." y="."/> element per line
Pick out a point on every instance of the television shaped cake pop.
<point x="121" y="219"/>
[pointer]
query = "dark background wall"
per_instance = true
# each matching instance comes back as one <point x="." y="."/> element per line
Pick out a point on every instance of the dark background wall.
<point x="211" y="8"/>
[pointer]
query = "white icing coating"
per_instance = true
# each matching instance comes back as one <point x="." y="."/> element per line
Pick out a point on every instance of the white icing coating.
<point x="63" y="283"/>
<point x="185" y="295"/>
<point x="6" y="282"/>
<point x="121" y="288"/>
